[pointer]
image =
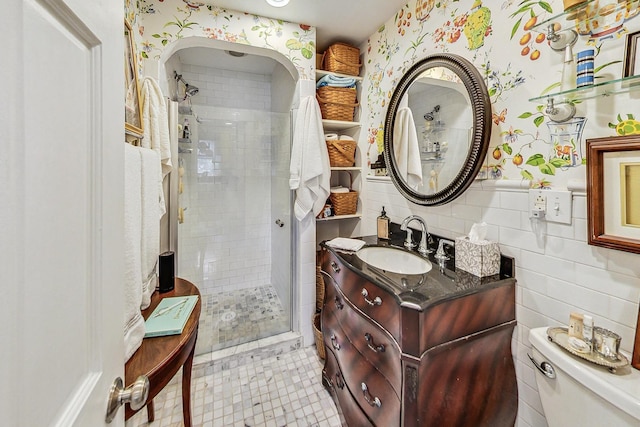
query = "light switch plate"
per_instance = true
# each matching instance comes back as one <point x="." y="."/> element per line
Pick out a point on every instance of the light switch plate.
<point x="558" y="205"/>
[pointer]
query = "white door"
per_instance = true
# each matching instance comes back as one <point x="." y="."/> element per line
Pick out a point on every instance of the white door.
<point x="61" y="209"/>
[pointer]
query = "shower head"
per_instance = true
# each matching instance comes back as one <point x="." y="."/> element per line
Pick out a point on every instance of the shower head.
<point x="189" y="90"/>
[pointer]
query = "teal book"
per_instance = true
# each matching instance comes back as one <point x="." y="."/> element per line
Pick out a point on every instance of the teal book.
<point x="170" y="316"/>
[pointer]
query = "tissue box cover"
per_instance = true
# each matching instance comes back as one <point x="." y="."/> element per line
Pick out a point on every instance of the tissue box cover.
<point x="478" y="258"/>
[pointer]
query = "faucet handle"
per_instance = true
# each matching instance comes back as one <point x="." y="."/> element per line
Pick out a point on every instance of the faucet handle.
<point x="408" y="242"/>
<point x="440" y="253"/>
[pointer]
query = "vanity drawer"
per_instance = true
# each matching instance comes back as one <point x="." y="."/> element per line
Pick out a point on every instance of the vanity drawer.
<point x="372" y="300"/>
<point x="373" y="342"/>
<point x="350" y="412"/>
<point x="371" y="390"/>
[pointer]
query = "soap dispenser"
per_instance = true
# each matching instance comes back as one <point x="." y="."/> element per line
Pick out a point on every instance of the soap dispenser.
<point x="383" y="225"/>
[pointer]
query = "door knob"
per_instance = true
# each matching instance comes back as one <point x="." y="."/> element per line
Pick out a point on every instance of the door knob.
<point x="135" y="395"/>
<point x="280" y="223"/>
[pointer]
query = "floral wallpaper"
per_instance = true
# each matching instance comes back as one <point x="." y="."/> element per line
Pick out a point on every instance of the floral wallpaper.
<point x="503" y="41"/>
<point x="162" y="22"/>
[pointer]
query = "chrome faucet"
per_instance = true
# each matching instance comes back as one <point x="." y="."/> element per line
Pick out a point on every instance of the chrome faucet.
<point x="440" y="255"/>
<point x="408" y="243"/>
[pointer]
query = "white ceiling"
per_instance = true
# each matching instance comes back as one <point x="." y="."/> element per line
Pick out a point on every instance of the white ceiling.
<point x="349" y="21"/>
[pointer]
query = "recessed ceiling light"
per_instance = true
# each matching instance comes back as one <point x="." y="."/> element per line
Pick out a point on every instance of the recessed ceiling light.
<point x="278" y="3"/>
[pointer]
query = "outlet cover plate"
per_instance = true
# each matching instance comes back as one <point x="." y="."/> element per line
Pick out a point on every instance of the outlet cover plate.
<point x="558" y="204"/>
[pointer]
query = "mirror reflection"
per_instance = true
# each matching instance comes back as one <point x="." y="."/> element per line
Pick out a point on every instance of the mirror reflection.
<point x="437" y="106"/>
<point x="437" y="129"/>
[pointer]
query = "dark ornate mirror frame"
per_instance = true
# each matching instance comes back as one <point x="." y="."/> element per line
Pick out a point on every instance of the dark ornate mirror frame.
<point x="481" y="108"/>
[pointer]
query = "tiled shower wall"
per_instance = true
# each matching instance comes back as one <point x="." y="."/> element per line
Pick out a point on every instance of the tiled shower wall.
<point x="556" y="270"/>
<point x="225" y="237"/>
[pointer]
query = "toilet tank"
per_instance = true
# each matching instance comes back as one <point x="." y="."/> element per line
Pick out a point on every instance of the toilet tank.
<point x="582" y="393"/>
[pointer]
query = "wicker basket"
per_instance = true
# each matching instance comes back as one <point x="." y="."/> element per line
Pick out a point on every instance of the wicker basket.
<point x="337" y="103"/>
<point x="345" y="203"/>
<point x="317" y="333"/>
<point x="319" y="288"/>
<point x="342" y="58"/>
<point x="342" y="152"/>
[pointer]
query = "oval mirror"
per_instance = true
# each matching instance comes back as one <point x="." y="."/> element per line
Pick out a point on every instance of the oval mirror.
<point x="437" y="129"/>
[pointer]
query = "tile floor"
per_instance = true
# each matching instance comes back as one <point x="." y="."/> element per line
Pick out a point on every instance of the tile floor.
<point x="277" y="391"/>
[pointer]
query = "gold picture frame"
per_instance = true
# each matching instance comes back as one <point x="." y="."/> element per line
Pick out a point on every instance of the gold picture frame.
<point x="132" y="103"/>
<point x="613" y="192"/>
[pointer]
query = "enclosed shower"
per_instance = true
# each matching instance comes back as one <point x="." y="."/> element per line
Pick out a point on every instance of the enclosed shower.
<point x="234" y="204"/>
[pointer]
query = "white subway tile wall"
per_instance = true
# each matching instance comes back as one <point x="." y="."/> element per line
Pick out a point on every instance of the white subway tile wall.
<point x="225" y="239"/>
<point x="557" y="272"/>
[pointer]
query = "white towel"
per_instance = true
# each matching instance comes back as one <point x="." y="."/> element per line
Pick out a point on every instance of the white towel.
<point x="309" y="170"/>
<point x="405" y="146"/>
<point x="346" y="244"/>
<point x="133" y="320"/>
<point x="331" y="136"/>
<point x="151" y="213"/>
<point x="155" y="124"/>
<point x="346" y="138"/>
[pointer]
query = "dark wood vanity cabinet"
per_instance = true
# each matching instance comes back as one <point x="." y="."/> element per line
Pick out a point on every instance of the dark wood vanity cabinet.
<point x="394" y="357"/>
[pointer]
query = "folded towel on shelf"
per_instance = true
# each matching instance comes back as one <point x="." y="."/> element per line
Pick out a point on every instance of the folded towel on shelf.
<point x="151" y="212"/>
<point x="346" y="138"/>
<point x="309" y="170"/>
<point x="339" y="189"/>
<point x="346" y="244"/>
<point x="336" y="81"/>
<point x="133" y="321"/>
<point x="331" y="136"/>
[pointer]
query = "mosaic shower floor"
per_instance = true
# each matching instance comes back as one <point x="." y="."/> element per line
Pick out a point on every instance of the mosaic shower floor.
<point x="230" y="318"/>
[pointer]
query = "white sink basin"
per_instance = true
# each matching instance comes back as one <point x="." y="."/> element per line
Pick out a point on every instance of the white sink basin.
<point x="394" y="260"/>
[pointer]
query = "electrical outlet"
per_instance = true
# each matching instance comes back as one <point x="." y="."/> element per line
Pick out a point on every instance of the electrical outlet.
<point x="551" y="205"/>
<point x="538" y="204"/>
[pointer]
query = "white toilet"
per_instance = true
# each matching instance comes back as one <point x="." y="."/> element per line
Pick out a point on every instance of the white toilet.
<point x="581" y="393"/>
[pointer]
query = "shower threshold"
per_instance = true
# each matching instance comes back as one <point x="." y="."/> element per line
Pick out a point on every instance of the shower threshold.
<point x="242" y="354"/>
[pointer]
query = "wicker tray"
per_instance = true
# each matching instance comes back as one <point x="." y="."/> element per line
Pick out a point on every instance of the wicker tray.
<point x="319" y="288"/>
<point x="342" y="58"/>
<point x="317" y="333"/>
<point x="342" y="152"/>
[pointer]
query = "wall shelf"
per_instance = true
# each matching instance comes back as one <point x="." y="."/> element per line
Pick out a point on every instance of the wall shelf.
<point x="338" y="217"/>
<point x="610" y="87"/>
<point x="339" y="125"/>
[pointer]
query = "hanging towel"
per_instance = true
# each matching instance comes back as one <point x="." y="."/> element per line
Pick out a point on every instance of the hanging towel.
<point x="405" y="146"/>
<point x="309" y="170"/>
<point x="155" y="124"/>
<point x="150" y="222"/>
<point x="133" y="320"/>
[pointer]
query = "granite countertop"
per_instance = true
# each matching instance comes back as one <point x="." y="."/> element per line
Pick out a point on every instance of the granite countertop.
<point x="418" y="291"/>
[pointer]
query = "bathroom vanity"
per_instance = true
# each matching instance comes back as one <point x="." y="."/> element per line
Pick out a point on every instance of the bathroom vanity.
<point x="431" y="349"/>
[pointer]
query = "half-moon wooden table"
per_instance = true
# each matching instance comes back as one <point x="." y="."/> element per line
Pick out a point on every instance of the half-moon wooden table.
<point x="159" y="358"/>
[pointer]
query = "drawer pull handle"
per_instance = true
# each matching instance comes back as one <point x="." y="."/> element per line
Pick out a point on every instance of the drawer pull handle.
<point x="334" y="342"/>
<point x="367" y="396"/>
<point x="376" y="300"/>
<point x="339" y="381"/>
<point x="338" y="303"/>
<point x="335" y="267"/>
<point x="376" y="348"/>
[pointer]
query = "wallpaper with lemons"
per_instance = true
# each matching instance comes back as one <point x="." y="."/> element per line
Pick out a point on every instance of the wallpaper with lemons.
<point x="504" y="39"/>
